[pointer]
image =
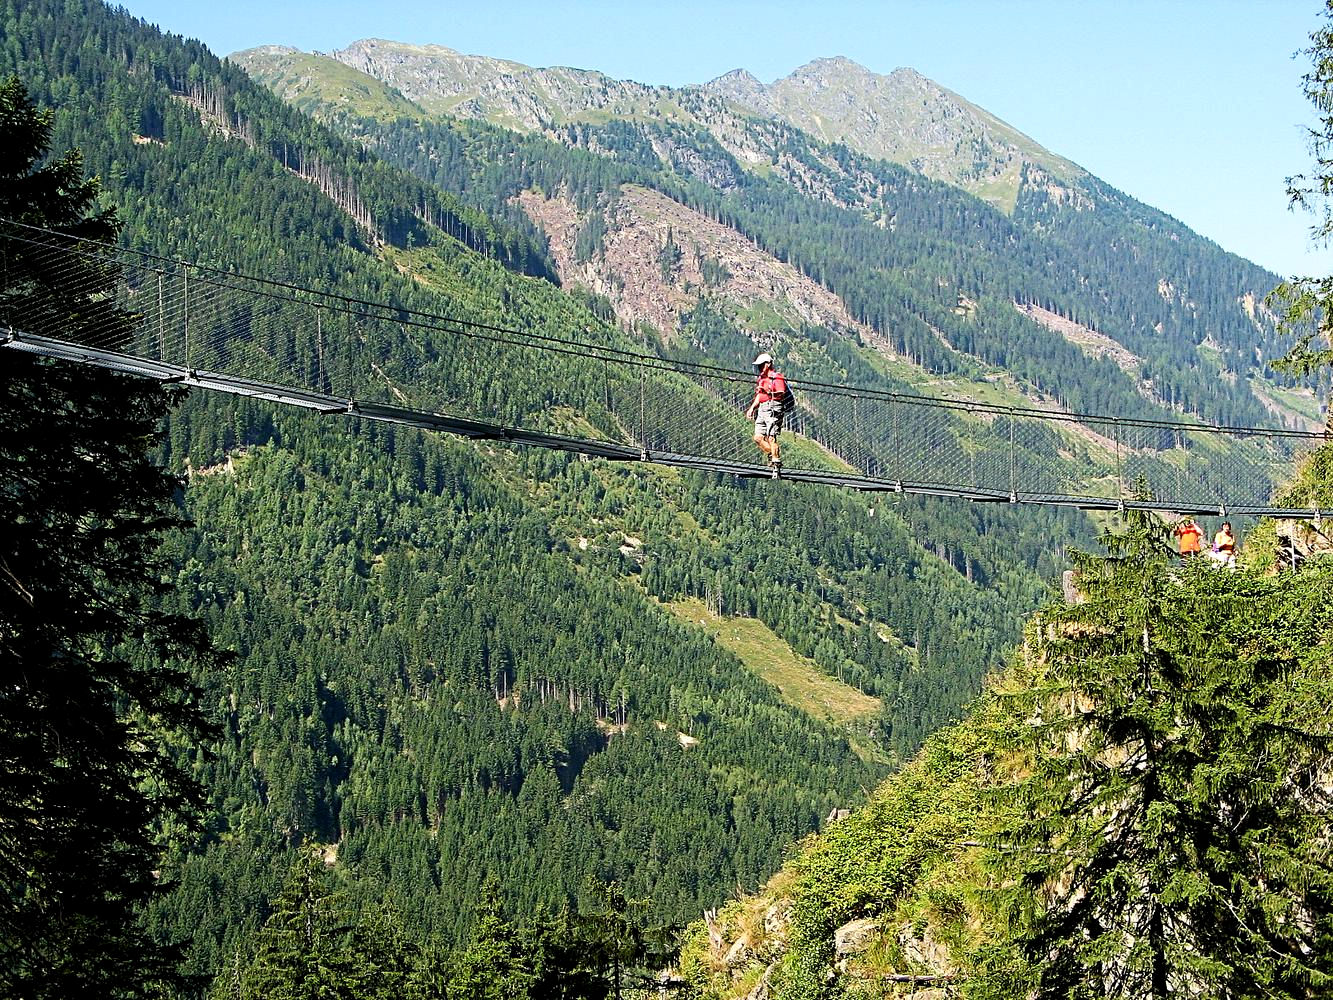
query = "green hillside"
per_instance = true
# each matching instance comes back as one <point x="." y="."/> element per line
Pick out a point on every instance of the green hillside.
<point x="800" y="682"/>
<point x="433" y="682"/>
<point x="1132" y="809"/>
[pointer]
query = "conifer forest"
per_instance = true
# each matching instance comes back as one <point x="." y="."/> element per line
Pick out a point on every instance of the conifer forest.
<point x="298" y="707"/>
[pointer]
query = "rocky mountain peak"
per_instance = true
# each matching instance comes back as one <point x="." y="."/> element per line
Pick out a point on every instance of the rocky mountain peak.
<point x="904" y="117"/>
<point x="740" y="76"/>
<point x="829" y="66"/>
<point x="270" y="50"/>
<point x="741" y="87"/>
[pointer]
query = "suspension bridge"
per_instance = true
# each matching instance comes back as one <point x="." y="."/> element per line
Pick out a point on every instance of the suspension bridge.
<point x="561" y="387"/>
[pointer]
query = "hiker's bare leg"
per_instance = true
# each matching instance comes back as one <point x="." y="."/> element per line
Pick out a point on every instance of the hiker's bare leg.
<point x="764" y="445"/>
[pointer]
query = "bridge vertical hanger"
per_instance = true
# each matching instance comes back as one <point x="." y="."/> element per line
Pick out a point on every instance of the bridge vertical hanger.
<point x="352" y="407"/>
<point x="860" y="463"/>
<point x="1119" y="473"/>
<point x="161" y="322"/>
<point x="972" y="448"/>
<point x="706" y="385"/>
<point x="186" y="313"/>
<point x="897" y="447"/>
<point x="1013" y="459"/>
<point x="643" y="441"/>
<point x="319" y="348"/>
<point x="1179" y="437"/>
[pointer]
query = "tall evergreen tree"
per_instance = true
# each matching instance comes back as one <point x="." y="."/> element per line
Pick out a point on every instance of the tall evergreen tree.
<point x="500" y="962"/>
<point x="91" y="686"/>
<point x="1308" y="301"/>
<point x="304" y="951"/>
<point x="1170" y="834"/>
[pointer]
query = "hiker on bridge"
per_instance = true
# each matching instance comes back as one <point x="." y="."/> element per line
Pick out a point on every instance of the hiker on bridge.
<point x="766" y="410"/>
<point x="1189" y="535"/>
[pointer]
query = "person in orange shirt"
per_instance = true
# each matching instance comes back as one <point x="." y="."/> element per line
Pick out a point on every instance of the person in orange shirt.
<point x="1189" y="535"/>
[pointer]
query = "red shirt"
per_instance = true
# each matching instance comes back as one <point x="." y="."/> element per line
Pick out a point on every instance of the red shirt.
<point x="771" y="386"/>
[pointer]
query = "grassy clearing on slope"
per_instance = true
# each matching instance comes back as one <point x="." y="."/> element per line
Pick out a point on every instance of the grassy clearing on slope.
<point x="319" y="84"/>
<point x="800" y="682"/>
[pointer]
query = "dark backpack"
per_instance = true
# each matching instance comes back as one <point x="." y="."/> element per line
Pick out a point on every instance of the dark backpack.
<point x="787" y="401"/>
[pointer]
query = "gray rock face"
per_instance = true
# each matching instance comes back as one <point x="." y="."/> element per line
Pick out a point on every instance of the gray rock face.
<point x="743" y="88"/>
<point x="432" y="75"/>
<point x="855" y="937"/>
<point x="508" y="93"/>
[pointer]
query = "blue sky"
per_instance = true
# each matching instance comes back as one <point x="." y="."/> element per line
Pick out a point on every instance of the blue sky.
<point x="1194" y="108"/>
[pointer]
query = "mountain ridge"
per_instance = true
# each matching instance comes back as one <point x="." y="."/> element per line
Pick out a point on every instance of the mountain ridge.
<point x="902" y="116"/>
<point x="388" y="592"/>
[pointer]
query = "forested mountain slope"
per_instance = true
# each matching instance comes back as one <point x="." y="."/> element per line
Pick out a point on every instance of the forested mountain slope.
<point x="948" y="281"/>
<point x="451" y="662"/>
<point x="1107" y="819"/>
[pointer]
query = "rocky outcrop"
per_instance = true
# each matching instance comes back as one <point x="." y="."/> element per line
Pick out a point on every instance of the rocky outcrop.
<point x="855" y="937"/>
<point x="1300" y="540"/>
<point x="1097" y="345"/>
<point x="434" y="76"/>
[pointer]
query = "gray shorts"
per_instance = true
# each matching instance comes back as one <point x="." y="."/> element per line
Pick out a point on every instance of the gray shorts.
<point x="769" y="419"/>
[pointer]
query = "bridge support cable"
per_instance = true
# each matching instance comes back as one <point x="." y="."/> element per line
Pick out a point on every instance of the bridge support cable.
<point x="330" y="405"/>
<point x="596" y="395"/>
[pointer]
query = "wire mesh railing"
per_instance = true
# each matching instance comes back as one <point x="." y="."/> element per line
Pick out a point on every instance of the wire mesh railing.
<point x="245" y="329"/>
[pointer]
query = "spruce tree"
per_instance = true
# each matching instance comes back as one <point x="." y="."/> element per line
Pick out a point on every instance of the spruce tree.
<point x="1169" y="834"/>
<point x="303" y="951"/>
<point x="500" y="961"/>
<point x="92" y="677"/>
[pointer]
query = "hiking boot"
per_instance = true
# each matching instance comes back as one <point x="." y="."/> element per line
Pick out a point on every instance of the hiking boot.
<point x="775" y="466"/>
